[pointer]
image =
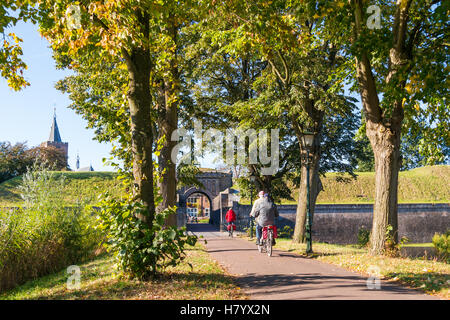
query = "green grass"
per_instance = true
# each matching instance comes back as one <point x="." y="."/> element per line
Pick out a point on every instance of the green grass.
<point x="81" y="186"/>
<point x="420" y="185"/>
<point x="430" y="276"/>
<point x="420" y="245"/>
<point x="205" y="281"/>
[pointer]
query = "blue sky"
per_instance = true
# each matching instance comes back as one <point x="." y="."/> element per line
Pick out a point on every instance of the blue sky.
<point x="27" y="115"/>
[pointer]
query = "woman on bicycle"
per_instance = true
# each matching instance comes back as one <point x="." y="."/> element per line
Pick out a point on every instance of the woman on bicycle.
<point x="265" y="212"/>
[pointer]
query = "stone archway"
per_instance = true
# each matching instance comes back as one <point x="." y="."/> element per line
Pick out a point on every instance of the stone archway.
<point x="192" y="191"/>
<point x="213" y="183"/>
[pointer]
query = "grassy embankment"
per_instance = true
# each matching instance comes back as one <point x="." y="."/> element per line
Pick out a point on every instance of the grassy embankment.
<point x="80" y="186"/>
<point x="421" y="185"/>
<point x="205" y="281"/>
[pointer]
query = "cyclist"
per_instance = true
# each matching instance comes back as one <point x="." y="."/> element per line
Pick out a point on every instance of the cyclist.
<point x="265" y="212"/>
<point x="230" y="217"/>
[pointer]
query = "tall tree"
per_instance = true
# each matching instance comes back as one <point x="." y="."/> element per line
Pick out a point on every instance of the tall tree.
<point x="299" y="73"/>
<point x="291" y="92"/>
<point x="102" y="103"/>
<point x="120" y="32"/>
<point x="169" y="90"/>
<point x="401" y="60"/>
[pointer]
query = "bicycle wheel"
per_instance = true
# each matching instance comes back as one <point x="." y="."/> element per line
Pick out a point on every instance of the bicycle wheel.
<point x="269" y="242"/>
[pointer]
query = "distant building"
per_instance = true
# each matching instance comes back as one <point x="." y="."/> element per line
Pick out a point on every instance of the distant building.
<point x="55" y="140"/>
<point x="84" y="169"/>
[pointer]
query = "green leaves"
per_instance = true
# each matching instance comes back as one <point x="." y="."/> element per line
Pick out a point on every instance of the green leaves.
<point x="11" y="64"/>
<point x="142" y="250"/>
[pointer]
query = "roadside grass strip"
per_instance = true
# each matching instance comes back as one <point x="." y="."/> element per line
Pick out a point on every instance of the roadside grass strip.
<point x="429" y="276"/>
<point x="206" y="280"/>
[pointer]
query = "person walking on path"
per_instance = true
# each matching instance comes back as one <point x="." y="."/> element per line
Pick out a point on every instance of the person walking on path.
<point x="265" y="212"/>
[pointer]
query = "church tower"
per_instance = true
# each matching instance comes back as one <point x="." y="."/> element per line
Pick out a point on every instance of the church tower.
<point x="55" y="139"/>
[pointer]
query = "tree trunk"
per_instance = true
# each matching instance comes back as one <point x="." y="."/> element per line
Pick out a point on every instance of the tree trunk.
<point x="315" y="188"/>
<point x="386" y="145"/>
<point x="384" y="129"/>
<point x="314" y="183"/>
<point x="168" y="183"/>
<point x="168" y="116"/>
<point x="139" y="99"/>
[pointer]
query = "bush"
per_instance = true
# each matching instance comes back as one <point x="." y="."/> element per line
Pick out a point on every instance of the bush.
<point x="43" y="236"/>
<point x="248" y="230"/>
<point x="363" y="237"/>
<point x="142" y="250"/>
<point x="391" y="247"/>
<point x="441" y="243"/>
<point x="286" y="232"/>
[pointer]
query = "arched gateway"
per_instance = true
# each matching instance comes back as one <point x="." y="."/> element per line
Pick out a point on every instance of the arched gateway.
<point x="213" y="182"/>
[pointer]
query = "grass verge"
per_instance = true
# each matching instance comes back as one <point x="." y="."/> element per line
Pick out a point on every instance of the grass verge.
<point x="205" y="281"/>
<point x="429" y="276"/>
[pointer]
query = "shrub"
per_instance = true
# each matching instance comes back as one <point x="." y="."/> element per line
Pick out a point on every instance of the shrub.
<point x="286" y="232"/>
<point x="248" y="230"/>
<point x="441" y="243"/>
<point x="391" y="247"/>
<point x="142" y="250"/>
<point x="43" y="236"/>
<point x="363" y="237"/>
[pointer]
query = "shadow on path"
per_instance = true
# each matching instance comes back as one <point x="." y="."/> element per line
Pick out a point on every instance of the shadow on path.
<point x="290" y="276"/>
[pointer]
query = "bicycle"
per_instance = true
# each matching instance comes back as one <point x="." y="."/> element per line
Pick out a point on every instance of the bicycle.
<point x="266" y="240"/>
<point x="231" y="226"/>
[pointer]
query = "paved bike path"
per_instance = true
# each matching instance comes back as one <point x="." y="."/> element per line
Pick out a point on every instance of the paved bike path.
<point x="287" y="276"/>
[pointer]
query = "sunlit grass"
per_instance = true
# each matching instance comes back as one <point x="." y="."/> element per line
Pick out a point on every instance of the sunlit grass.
<point x="80" y="186"/>
<point x="421" y="185"/>
<point x="429" y="276"/>
<point x="206" y="280"/>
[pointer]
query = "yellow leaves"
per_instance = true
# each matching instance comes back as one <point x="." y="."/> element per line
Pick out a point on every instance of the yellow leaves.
<point x="11" y="64"/>
<point x="403" y="3"/>
<point x="409" y="88"/>
<point x="15" y="38"/>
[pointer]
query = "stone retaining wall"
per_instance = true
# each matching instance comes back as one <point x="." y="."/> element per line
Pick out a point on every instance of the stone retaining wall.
<point x="340" y="223"/>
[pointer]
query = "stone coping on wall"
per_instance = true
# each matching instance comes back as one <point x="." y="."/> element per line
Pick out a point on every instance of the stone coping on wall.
<point x="359" y="208"/>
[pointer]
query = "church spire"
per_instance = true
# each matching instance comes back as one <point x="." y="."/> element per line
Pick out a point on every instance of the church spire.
<point x="54" y="131"/>
<point x="78" y="160"/>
